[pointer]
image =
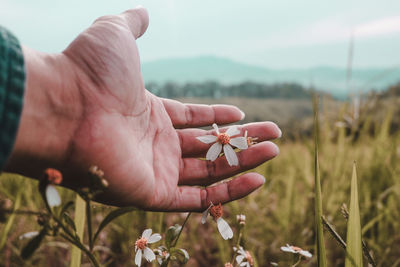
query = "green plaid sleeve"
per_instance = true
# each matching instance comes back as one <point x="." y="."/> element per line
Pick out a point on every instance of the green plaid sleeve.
<point x="12" y="82"/>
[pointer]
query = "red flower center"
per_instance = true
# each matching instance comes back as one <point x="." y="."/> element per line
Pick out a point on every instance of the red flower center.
<point x="216" y="211"/>
<point x="141" y="243"/>
<point x="223" y="138"/>
<point x="297" y="249"/>
<point x="53" y="176"/>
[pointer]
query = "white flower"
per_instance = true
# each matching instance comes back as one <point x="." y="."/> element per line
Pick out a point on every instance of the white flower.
<point x="296" y="250"/>
<point x="142" y="249"/>
<point x="29" y="235"/>
<point x="223" y="141"/>
<point x="223" y="227"/>
<point x="52" y="196"/>
<point x="244" y="258"/>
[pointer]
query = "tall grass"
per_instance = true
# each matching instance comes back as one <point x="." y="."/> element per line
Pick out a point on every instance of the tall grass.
<point x="281" y="212"/>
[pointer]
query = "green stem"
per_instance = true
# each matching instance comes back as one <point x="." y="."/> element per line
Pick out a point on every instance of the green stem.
<point x="237" y="244"/>
<point x="82" y="247"/>
<point x="23" y="212"/>
<point x="298" y="262"/>
<point x="89" y="224"/>
<point x="75" y="240"/>
<point x="183" y="225"/>
<point x="166" y="262"/>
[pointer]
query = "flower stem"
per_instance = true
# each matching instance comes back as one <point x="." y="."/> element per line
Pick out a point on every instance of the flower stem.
<point x="183" y="225"/>
<point x="237" y="243"/>
<point x="298" y="262"/>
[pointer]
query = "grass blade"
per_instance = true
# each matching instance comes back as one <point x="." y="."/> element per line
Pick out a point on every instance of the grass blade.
<point x="321" y="254"/>
<point x="79" y="220"/>
<point x="354" y="247"/>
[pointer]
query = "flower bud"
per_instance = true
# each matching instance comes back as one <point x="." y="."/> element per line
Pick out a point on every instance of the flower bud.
<point x="241" y="219"/>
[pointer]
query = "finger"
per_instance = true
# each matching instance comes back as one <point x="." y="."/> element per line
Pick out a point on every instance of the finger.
<point x="189" y="198"/>
<point x="196" y="115"/>
<point x="191" y="147"/>
<point x="137" y="20"/>
<point x="205" y="172"/>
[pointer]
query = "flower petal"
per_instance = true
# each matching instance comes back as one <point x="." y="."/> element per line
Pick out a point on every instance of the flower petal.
<point x="29" y="235"/>
<point x="154" y="238"/>
<point x="233" y="130"/>
<point x="214" y="151"/>
<point x="149" y="254"/>
<point x="239" y="259"/>
<point x="215" y="128"/>
<point x="243" y="264"/>
<point x="52" y="196"/>
<point x="288" y="249"/>
<point x="207" y="139"/>
<point x="230" y="156"/>
<point x="138" y="257"/>
<point x="305" y="253"/>
<point x="147" y="233"/>
<point x="205" y="215"/>
<point x="224" y="229"/>
<point x="239" y="142"/>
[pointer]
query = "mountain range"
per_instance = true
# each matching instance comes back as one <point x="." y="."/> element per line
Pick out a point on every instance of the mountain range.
<point x="223" y="70"/>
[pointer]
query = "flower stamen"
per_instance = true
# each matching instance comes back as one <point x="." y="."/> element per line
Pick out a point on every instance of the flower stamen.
<point x="141" y="243"/>
<point x="223" y="138"/>
<point x="216" y="211"/>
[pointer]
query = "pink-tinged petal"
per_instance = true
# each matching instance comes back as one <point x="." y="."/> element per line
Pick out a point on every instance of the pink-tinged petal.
<point x="215" y="128"/>
<point x="207" y="139"/>
<point x="214" y="151"/>
<point x="147" y="233"/>
<point x="138" y="257"/>
<point x="239" y="259"/>
<point x="149" y="254"/>
<point x="230" y="156"/>
<point x="154" y="238"/>
<point x="232" y="131"/>
<point x="29" y="235"/>
<point x="306" y="253"/>
<point x="224" y="229"/>
<point x="239" y="142"/>
<point x="52" y="196"/>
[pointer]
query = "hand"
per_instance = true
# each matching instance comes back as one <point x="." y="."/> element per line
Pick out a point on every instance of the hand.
<point x="88" y="106"/>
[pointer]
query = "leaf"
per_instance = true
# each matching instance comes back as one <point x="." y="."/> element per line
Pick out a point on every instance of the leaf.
<point x="354" y="247"/>
<point x="110" y="217"/>
<point x="79" y="221"/>
<point x="68" y="220"/>
<point x="321" y="254"/>
<point x="33" y="244"/>
<point x="171" y="234"/>
<point x="66" y="207"/>
<point x="181" y="254"/>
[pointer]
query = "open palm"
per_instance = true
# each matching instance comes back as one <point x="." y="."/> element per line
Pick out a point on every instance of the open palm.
<point x="144" y="143"/>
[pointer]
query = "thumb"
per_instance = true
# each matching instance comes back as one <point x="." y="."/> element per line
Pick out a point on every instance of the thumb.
<point x="137" y="20"/>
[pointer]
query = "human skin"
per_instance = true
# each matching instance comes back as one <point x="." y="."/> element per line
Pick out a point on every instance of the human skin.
<point x="88" y="106"/>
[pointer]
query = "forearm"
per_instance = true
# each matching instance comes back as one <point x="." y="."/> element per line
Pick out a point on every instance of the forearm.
<point x="49" y="116"/>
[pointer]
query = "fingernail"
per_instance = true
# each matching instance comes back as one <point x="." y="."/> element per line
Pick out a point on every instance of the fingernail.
<point x="280" y="133"/>
<point x="263" y="179"/>
<point x="243" y="115"/>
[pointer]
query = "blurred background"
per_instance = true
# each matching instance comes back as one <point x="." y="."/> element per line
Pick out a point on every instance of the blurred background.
<point x="266" y="57"/>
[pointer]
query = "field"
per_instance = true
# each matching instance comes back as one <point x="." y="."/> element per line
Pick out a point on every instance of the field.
<point x="280" y="213"/>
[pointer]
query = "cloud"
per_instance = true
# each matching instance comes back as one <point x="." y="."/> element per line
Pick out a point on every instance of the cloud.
<point x="385" y="26"/>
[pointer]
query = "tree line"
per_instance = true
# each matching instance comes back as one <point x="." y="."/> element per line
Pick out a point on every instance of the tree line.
<point x="213" y="89"/>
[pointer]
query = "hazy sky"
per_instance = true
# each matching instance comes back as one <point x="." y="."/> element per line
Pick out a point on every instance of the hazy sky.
<point x="271" y="33"/>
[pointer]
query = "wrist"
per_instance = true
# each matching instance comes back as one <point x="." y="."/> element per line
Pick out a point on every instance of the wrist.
<point x="51" y="112"/>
